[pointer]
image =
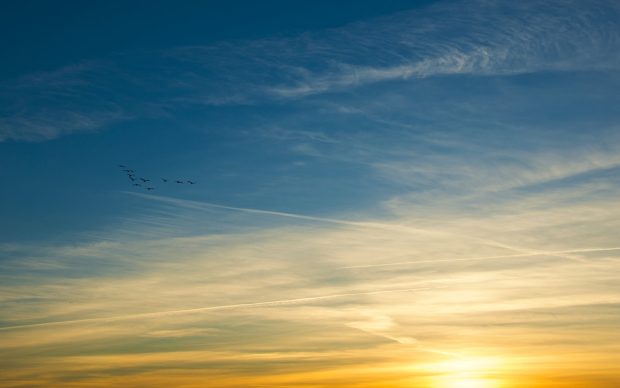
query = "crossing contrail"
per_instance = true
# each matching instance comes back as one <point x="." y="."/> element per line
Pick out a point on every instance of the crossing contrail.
<point x="212" y="308"/>
<point x="536" y="253"/>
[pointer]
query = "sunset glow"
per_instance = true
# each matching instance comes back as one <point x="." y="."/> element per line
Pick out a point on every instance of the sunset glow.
<point x="310" y="194"/>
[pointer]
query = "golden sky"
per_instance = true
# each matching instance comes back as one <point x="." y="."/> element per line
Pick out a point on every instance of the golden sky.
<point x="313" y="303"/>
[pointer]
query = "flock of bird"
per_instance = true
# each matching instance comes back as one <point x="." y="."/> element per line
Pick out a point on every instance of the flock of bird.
<point x="147" y="183"/>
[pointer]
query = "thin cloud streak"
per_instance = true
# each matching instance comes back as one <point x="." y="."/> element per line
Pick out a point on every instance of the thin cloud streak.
<point x="538" y="253"/>
<point x="214" y="308"/>
<point x="206" y="205"/>
<point x="538" y="36"/>
<point x="376" y="225"/>
<point x="444" y="39"/>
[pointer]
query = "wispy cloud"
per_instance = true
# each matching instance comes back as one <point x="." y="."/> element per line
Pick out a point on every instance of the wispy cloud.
<point x="74" y="99"/>
<point x="393" y="227"/>
<point x="212" y="308"/>
<point x="439" y="260"/>
<point x="285" y="283"/>
<point x="475" y="38"/>
<point x="478" y="38"/>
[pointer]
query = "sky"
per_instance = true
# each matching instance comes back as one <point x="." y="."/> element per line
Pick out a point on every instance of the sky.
<point x="387" y="193"/>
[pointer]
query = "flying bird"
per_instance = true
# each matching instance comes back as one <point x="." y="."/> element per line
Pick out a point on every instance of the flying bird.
<point x="132" y="177"/>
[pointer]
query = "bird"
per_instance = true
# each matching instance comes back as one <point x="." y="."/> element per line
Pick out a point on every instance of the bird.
<point x="150" y="188"/>
<point x="145" y="180"/>
<point x="179" y="181"/>
<point x="137" y="184"/>
<point x="122" y="166"/>
<point x="128" y="170"/>
<point x="191" y="183"/>
<point x="164" y="179"/>
<point x="132" y="178"/>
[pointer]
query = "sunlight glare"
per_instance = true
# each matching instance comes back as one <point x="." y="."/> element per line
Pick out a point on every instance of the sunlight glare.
<point x="465" y="372"/>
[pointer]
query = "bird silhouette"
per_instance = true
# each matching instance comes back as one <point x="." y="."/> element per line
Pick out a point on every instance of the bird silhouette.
<point x="142" y="181"/>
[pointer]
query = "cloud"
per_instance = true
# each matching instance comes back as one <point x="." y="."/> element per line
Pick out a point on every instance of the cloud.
<point x="439" y="260"/>
<point x="392" y="227"/>
<point x="267" y="293"/>
<point x="179" y="333"/>
<point x="451" y="38"/>
<point x="357" y="224"/>
<point x="478" y="38"/>
<point x="73" y="99"/>
<point x="210" y="308"/>
<point x="381" y="325"/>
<point x="516" y="168"/>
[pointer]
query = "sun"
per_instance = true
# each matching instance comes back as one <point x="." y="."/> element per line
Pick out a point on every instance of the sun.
<point x="470" y="383"/>
<point x="465" y="372"/>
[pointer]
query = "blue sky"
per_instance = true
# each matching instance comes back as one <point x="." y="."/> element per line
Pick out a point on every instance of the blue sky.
<point x="346" y="156"/>
<point x="241" y="104"/>
<point x="69" y="73"/>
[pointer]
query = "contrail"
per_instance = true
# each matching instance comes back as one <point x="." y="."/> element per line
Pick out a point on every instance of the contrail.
<point x="537" y="253"/>
<point x="206" y="205"/>
<point x="212" y="308"/>
<point x="375" y="225"/>
<point x="523" y="252"/>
